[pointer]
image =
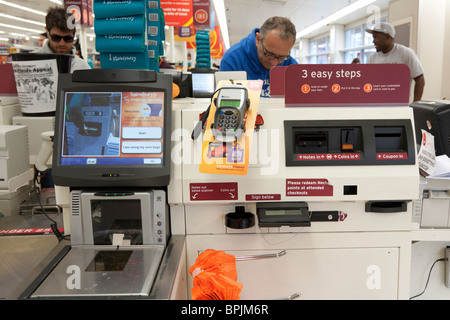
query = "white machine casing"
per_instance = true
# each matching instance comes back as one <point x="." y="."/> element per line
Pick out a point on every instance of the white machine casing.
<point x="9" y="108"/>
<point x="36" y="126"/>
<point x="356" y="257"/>
<point x="433" y="211"/>
<point x="14" y="160"/>
<point x="267" y="171"/>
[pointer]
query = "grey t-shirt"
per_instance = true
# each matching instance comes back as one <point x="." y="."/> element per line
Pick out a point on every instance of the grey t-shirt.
<point x="399" y="54"/>
<point x="77" y="62"/>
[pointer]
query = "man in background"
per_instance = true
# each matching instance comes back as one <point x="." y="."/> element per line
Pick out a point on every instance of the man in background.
<point x="42" y="38"/>
<point x="263" y="49"/>
<point x="390" y="52"/>
<point x="61" y="39"/>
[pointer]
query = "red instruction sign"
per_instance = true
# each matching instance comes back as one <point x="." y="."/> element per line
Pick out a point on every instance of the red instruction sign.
<point x="349" y="84"/>
<point x="308" y="188"/>
<point x="328" y="156"/>
<point x="392" y="156"/>
<point x="277" y="77"/>
<point x="213" y="191"/>
<point x="262" y="197"/>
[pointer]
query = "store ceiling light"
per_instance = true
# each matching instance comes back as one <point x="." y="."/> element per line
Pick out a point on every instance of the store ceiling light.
<point x="21" y="19"/>
<point x="20" y="28"/>
<point x="275" y="2"/>
<point x="6" y="3"/>
<point x="335" y="16"/>
<point x="21" y="35"/>
<point x="222" y="17"/>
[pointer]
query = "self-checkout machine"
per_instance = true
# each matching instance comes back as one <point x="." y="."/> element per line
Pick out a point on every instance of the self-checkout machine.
<point x="16" y="173"/>
<point x="111" y="154"/>
<point x="329" y="182"/>
<point x="432" y="118"/>
<point x="431" y="215"/>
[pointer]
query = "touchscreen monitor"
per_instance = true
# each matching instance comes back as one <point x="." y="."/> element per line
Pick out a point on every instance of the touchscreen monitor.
<point x="112" y="129"/>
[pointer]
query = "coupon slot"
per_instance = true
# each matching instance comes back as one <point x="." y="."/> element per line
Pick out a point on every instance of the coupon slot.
<point x="390" y="139"/>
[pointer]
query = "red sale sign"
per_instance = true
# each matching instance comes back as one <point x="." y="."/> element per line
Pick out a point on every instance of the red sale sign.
<point x="347" y="85"/>
<point x="177" y="13"/>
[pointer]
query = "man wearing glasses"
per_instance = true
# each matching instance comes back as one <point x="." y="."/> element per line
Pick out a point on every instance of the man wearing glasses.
<point x="61" y="39"/>
<point x="261" y="50"/>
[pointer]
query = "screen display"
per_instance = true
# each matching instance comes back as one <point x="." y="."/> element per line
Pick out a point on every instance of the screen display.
<point x="113" y="128"/>
<point x="283" y="212"/>
<point x="203" y="82"/>
<point x="230" y="103"/>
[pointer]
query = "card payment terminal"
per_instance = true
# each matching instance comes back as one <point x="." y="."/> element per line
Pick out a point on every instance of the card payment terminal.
<point x="231" y="104"/>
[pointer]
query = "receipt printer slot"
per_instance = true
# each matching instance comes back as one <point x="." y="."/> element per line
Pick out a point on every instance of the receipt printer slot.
<point x="386" y="206"/>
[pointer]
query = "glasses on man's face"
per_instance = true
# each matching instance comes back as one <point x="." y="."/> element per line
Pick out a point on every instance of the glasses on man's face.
<point x="272" y="56"/>
<point x="57" y="38"/>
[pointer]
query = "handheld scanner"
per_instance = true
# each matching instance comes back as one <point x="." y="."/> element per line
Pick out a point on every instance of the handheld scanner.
<point x="231" y="104"/>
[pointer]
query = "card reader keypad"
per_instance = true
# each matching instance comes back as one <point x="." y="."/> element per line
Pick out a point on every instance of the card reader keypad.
<point x="228" y="119"/>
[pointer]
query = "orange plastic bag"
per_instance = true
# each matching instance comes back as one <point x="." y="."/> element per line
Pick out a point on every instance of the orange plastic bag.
<point x="215" y="276"/>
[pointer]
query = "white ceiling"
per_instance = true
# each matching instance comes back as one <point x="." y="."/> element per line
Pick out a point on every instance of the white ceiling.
<point x="242" y="15"/>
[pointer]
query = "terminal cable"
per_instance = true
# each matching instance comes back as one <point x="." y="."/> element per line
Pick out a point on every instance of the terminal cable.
<point x="199" y="126"/>
<point x="429" y="274"/>
<point x="54" y="226"/>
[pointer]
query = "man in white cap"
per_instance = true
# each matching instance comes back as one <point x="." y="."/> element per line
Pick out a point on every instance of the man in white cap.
<point x="390" y="52"/>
